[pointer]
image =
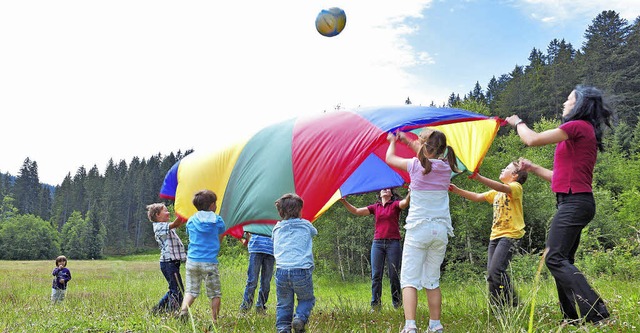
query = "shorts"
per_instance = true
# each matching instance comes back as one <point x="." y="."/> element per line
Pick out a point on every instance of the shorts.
<point x="424" y="249"/>
<point x="203" y="271"/>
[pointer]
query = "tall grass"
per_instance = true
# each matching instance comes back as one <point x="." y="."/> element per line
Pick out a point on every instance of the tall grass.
<point x="116" y="296"/>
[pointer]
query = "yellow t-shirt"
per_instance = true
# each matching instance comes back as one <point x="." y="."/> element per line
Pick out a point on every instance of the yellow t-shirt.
<point x="508" y="218"/>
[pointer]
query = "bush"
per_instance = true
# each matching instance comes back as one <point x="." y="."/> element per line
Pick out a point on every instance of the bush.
<point x="463" y="271"/>
<point x="621" y="261"/>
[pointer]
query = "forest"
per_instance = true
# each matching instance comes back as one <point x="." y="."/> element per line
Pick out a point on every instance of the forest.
<point x="92" y="215"/>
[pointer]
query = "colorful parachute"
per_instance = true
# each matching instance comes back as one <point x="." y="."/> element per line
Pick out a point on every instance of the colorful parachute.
<point x="321" y="158"/>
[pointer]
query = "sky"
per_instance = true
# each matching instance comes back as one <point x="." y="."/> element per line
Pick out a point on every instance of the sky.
<point x="82" y="82"/>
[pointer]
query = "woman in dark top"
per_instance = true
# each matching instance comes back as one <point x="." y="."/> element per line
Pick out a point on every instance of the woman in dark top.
<point x="386" y="243"/>
<point x="578" y="140"/>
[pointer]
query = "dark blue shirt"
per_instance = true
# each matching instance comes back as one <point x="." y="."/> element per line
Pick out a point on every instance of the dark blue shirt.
<point x="59" y="274"/>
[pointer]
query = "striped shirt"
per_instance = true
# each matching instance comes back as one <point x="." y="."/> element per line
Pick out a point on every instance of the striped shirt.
<point x="171" y="247"/>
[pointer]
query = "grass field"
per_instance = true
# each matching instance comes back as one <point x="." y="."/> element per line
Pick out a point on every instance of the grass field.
<point x="116" y="296"/>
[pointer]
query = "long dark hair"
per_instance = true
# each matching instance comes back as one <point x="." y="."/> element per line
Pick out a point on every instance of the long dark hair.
<point x="592" y="107"/>
<point x="394" y="195"/>
<point x="436" y="145"/>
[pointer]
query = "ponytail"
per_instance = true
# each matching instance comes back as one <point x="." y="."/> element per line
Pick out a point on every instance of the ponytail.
<point x="424" y="160"/>
<point x="451" y="158"/>
<point x="435" y="145"/>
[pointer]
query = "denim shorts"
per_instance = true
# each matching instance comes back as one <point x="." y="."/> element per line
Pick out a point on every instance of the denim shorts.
<point x="197" y="272"/>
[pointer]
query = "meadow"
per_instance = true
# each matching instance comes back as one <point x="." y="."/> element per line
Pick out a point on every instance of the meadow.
<point x="115" y="295"/>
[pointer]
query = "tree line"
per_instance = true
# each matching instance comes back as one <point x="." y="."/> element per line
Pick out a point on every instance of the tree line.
<point x="90" y="215"/>
<point x="87" y="216"/>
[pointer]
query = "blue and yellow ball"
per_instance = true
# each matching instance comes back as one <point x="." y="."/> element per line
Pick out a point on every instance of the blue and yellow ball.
<point x="330" y="22"/>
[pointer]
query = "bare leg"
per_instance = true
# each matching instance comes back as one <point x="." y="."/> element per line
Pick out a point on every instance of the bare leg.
<point x="215" y="309"/>
<point x="410" y="302"/>
<point x="434" y="298"/>
<point x="186" y="303"/>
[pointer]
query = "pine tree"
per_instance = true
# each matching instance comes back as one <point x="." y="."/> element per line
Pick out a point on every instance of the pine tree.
<point x="453" y="100"/>
<point x="604" y="40"/>
<point x="477" y="94"/>
<point x="96" y="234"/>
<point x="44" y="203"/>
<point x="562" y="75"/>
<point x="628" y="89"/>
<point x="62" y="207"/>
<point x="27" y="188"/>
<point x="495" y="89"/>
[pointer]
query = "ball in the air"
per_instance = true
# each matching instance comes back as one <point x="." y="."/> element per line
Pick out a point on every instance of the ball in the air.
<point x="330" y="22"/>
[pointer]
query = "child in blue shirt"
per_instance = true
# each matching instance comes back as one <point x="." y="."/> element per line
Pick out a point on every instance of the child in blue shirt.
<point x="62" y="276"/>
<point x="261" y="263"/>
<point x="205" y="229"/>
<point x="292" y="245"/>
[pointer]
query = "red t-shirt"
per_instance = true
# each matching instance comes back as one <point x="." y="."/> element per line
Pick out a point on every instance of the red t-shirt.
<point x="387" y="219"/>
<point x="575" y="158"/>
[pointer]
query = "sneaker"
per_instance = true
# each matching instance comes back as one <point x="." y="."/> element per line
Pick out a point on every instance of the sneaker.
<point x="409" y="330"/>
<point x="298" y="325"/>
<point x="436" y="329"/>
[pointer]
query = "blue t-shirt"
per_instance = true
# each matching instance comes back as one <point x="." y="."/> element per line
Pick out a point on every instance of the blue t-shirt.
<point x="204" y="228"/>
<point x="260" y="244"/>
<point x="292" y="243"/>
<point x="61" y="273"/>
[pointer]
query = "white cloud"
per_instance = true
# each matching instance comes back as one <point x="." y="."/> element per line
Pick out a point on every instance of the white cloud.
<point x="557" y="11"/>
<point x="85" y="81"/>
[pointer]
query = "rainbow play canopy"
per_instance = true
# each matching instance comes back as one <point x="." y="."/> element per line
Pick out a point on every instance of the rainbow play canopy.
<point x="320" y="158"/>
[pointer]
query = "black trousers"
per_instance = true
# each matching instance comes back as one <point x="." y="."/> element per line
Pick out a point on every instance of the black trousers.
<point x="575" y="211"/>
<point x="499" y="254"/>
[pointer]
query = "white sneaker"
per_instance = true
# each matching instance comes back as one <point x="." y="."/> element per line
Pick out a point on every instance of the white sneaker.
<point x="409" y="330"/>
<point x="436" y="329"/>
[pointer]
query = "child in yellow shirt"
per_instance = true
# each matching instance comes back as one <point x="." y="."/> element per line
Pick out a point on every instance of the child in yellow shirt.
<point x="507" y="228"/>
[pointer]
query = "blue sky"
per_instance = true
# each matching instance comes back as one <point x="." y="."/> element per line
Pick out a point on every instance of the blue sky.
<point x="85" y="81"/>
<point x="472" y="41"/>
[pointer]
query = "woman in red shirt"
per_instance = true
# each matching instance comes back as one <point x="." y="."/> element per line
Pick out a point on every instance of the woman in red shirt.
<point x="386" y="243"/>
<point x="578" y="140"/>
